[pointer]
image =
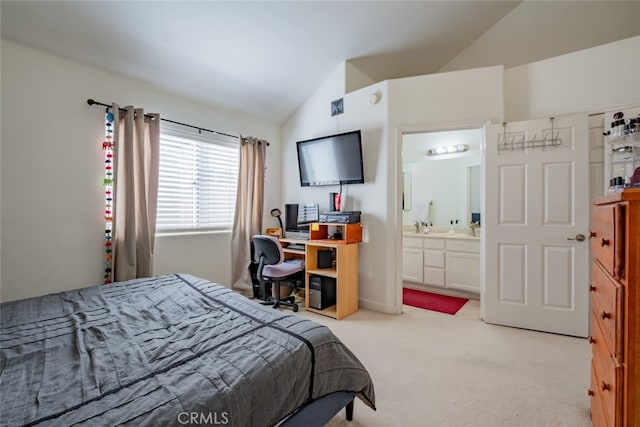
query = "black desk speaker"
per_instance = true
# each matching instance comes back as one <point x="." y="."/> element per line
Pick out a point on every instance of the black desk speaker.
<point x="325" y="259"/>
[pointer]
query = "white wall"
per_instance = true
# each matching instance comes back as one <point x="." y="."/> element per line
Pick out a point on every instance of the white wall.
<point x="591" y="81"/>
<point x="355" y="78"/>
<point x="536" y="30"/>
<point x="51" y="198"/>
<point x="51" y="175"/>
<point x="313" y="119"/>
<point x="426" y="101"/>
<point x="447" y="101"/>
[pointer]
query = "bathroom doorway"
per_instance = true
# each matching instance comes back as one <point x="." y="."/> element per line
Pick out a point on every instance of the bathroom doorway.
<point x="441" y="210"/>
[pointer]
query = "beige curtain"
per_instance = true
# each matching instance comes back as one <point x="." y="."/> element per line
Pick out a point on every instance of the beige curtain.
<point x="249" y="209"/>
<point x="136" y="160"/>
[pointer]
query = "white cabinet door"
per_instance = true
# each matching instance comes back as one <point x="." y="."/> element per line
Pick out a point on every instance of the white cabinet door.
<point x="463" y="271"/>
<point x="433" y="258"/>
<point x="434" y="276"/>
<point x="433" y="243"/>
<point x="472" y="246"/>
<point x="412" y="264"/>
<point x="433" y="267"/>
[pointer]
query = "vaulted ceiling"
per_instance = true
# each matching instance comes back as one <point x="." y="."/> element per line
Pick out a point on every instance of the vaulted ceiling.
<point x="265" y="58"/>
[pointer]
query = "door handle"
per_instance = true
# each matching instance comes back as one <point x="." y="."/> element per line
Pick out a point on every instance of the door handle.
<point x="579" y="238"/>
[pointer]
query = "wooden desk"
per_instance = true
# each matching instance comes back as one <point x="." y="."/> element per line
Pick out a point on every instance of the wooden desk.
<point x="345" y="270"/>
<point x="293" y="253"/>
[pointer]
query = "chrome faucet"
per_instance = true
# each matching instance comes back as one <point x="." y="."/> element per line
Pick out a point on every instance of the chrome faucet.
<point x="473" y="225"/>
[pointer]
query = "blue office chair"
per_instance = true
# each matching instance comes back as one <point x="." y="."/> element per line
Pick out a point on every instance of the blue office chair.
<point x="272" y="268"/>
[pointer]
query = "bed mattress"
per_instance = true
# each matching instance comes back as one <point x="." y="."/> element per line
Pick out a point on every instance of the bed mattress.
<point x="168" y="350"/>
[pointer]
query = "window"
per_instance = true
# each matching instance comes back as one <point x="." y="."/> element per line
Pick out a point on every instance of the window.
<point x="198" y="179"/>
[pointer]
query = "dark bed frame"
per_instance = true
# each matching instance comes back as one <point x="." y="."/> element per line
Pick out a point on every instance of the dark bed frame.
<point x="320" y="411"/>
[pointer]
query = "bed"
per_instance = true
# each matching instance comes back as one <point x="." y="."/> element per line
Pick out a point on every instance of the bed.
<point x="169" y="350"/>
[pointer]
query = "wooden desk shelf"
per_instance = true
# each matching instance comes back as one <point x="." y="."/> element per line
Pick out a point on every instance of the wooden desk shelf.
<point x="344" y="271"/>
<point x="350" y="233"/>
<point x="292" y="253"/>
<point x="329" y="272"/>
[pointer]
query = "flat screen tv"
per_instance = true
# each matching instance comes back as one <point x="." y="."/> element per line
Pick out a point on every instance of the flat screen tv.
<point x="331" y="160"/>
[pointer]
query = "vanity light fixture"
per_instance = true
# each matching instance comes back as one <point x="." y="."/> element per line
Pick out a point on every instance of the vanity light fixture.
<point x="449" y="149"/>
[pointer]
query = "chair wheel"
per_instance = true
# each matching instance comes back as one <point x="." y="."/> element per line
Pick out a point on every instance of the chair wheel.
<point x="295" y="308"/>
<point x="276" y="304"/>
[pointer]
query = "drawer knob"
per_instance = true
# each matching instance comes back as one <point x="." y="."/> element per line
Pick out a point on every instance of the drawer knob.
<point x="605" y="386"/>
<point x="592" y="234"/>
<point x="592" y="340"/>
<point x="605" y="315"/>
<point x="605" y="242"/>
<point x="590" y="393"/>
<point x="592" y="288"/>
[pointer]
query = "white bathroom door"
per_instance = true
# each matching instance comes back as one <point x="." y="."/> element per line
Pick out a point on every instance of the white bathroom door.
<point x="535" y="220"/>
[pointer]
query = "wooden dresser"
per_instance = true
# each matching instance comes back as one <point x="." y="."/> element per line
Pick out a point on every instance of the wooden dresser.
<point x="615" y="310"/>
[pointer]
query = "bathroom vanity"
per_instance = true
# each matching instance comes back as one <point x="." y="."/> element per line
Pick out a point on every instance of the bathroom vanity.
<point x="442" y="260"/>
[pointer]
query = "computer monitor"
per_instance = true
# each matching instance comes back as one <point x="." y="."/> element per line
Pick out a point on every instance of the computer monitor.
<point x="298" y="217"/>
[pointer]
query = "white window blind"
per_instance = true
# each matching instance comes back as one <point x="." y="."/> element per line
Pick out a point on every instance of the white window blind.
<point x="198" y="179"/>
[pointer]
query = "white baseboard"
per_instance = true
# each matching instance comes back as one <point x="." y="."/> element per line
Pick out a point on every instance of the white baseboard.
<point x="376" y="306"/>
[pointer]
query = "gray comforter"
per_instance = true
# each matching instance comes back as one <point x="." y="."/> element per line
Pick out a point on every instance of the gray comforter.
<point x="169" y="350"/>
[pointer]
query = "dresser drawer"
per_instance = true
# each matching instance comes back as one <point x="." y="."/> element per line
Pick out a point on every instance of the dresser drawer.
<point x="615" y="308"/>
<point x="603" y="237"/>
<point x="607" y="302"/>
<point x="608" y="379"/>
<point x="597" y="411"/>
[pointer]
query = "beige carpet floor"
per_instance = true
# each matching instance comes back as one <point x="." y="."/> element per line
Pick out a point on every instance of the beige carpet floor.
<point x="431" y="370"/>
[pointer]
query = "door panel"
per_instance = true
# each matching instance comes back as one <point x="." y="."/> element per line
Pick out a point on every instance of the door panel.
<point x="513" y="194"/>
<point x="558" y="277"/>
<point x="558" y="189"/>
<point x="536" y="200"/>
<point x="513" y="274"/>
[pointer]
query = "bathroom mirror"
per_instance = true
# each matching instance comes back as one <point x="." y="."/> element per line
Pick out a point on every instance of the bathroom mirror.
<point x="450" y="181"/>
<point x="473" y="193"/>
<point x="406" y="192"/>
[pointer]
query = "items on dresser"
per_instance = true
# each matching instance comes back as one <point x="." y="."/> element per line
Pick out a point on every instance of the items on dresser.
<point x="615" y="315"/>
<point x="635" y="178"/>
<point x="622" y="148"/>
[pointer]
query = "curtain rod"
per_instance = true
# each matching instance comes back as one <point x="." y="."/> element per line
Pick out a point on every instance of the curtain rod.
<point x="94" y="102"/>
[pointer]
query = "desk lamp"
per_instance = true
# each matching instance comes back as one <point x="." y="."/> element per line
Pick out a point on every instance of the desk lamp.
<point x="276" y="213"/>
